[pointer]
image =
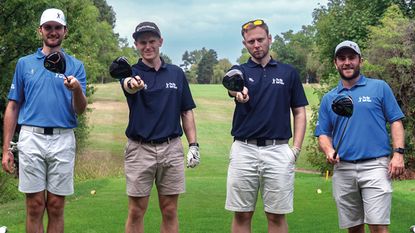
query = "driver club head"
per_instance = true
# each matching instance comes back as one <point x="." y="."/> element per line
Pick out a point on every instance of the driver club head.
<point x="55" y="62"/>
<point x="233" y="81"/>
<point x="120" y="68"/>
<point x="343" y="105"/>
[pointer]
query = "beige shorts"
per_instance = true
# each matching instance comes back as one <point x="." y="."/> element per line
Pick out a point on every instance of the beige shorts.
<point x="362" y="192"/>
<point x="268" y="169"/>
<point x="46" y="161"/>
<point x="162" y="164"/>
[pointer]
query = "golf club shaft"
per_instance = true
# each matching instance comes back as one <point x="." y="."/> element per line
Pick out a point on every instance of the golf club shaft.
<point x="341" y="139"/>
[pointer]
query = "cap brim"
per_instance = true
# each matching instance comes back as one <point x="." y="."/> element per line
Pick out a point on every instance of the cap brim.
<point x="346" y="47"/>
<point x="137" y="34"/>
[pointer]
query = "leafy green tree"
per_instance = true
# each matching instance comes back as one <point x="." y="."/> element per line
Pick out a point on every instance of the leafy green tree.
<point x="244" y="56"/>
<point x="390" y="57"/>
<point x="295" y="48"/>
<point x="220" y="69"/>
<point x="205" y="67"/>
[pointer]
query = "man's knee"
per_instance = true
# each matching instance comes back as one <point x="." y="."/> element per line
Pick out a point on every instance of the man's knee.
<point x="55" y="205"/>
<point x="276" y="218"/>
<point x="169" y="211"/>
<point x="378" y="228"/>
<point x="35" y="204"/>
<point x="243" y="216"/>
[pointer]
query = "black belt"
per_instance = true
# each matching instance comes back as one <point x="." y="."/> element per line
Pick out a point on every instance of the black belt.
<point x="359" y="160"/>
<point x="263" y="142"/>
<point x="158" y="141"/>
<point x="44" y="130"/>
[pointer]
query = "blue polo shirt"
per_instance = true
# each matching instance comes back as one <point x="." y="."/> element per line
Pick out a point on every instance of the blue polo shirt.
<point x="44" y="100"/>
<point x="155" y="110"/>
<point x="273" y="90"/>
<point x="366" y="136"/>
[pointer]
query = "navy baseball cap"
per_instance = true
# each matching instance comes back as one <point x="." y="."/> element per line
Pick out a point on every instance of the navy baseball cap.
<point x="146" y="27"/>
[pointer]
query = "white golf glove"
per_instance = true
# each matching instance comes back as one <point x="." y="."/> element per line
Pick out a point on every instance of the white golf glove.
<point x="296" y="151"/>
<point x="193" y="156"/>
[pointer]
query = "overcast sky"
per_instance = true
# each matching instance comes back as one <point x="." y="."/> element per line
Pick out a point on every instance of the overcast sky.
<point x="213" y="24"/>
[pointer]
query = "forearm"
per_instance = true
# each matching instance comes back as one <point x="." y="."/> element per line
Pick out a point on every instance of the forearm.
<point x="398" y="134"/>
<point x="300" y="123"/>
<point x="79" y="101"/>
<point x="9" y="123"/>
<point x="189" y="126"/>
<point x="326" y="144"/>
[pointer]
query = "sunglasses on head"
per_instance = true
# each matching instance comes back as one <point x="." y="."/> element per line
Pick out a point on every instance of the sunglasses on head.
<point x="50" y="27"/>
<point x="251" y="23"/>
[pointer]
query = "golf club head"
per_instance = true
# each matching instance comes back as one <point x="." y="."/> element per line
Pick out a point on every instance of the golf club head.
<point x="343" y="105"/>
<point x="233" y="80"/>
<point x="412" y="229"/>
<point x="120" y="68"/>
<point x="55" y="62"/>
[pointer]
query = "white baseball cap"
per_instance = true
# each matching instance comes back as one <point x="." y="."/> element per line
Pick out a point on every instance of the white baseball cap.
<point x="53" y="14"/>
<point x="347" y="44"/>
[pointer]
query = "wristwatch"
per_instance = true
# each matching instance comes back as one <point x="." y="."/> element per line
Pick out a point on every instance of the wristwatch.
<point x="399" y="150"/>
<point x="194" y="144"/>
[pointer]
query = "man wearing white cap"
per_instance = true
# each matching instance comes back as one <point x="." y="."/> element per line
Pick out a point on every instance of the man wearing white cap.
<point x="366" y="162"/>
<point x="45" y="105"/>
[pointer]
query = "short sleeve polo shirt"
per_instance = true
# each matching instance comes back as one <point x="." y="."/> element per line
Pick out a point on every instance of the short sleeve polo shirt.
<point x="44" y="100"/>
<point x="366" y="135"/>
<point x="273" y="90"/>
<point x="155" y="110"/>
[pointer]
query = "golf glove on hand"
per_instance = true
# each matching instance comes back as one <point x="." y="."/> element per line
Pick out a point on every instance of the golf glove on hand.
<point x="296" y="151"/>
<point x="193" y="156"/>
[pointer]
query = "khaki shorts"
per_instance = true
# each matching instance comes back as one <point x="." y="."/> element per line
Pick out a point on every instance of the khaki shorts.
<point x="362" y="192"/>
<point x="46" y="161"/>
<point x="269" y="169"/>
<point x="147" y="163"/>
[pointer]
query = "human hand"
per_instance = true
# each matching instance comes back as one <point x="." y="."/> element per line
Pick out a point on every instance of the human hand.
<point x="242" y="97"/>
<point x="193" y="155"/>
<point x="396" y="165"/>
<point x="72" y="83"/>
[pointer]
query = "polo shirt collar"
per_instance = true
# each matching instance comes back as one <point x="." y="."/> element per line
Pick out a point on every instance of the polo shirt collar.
<point x="252" y="64"/>
<point x="361" y="82"/>
<point x="144" y="67"/>
<point x="40" y="55"/>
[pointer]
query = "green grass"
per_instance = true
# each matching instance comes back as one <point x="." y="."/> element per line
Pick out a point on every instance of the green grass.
<point x="201" y="208"/>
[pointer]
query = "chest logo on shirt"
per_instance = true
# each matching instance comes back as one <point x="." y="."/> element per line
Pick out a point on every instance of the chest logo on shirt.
<point x="364" y="99"/>
<point x="277" y="81"/>
<point x="171" y="86"/>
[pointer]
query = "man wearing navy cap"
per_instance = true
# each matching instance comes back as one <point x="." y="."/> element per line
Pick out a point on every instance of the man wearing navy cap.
<point x="365" y="163"/>
<point x="46" y="106"/>
<point x="260" y="157"/>
<point x="158" y="97"/>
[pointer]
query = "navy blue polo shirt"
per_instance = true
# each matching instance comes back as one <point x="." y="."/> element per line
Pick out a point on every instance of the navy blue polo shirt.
<point x="155" y="110"/>
<point x="366" y="135"/>
<point x="273" y="90"/>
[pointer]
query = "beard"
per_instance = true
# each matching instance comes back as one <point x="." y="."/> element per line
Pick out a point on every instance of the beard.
<point x="55" y="44"/>
<point x="356" y="73"/>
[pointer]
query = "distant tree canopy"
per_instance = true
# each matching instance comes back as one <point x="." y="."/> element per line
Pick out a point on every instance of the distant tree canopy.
<point x="202" y="66"/>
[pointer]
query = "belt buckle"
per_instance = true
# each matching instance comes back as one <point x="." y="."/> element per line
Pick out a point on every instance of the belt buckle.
<point x="48" y="131"/>
<point x="261" y="142"/>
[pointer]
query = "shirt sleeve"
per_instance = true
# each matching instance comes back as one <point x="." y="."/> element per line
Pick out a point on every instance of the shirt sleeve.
<point x="390" y="106"/>
<point x="298" y="95"/>
<point x="324" y="126"/>
<point x="16" y="88"/>
<point x="187" y="102"/>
